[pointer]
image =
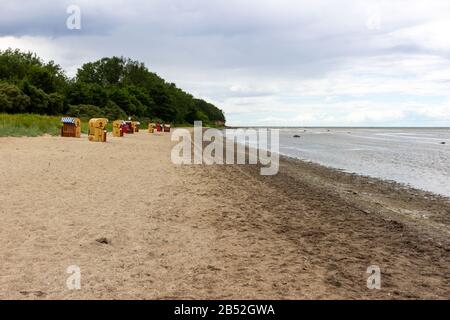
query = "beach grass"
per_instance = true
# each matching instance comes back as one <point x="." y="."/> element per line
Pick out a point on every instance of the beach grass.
<point x="29" y="125"/>
<point x="33" y="125"/>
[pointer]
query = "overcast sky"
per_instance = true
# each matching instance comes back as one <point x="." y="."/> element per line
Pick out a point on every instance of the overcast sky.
<point x="278" y="62"/>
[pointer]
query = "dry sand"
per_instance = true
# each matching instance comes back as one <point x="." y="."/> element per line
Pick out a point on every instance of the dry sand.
<point x="207" y="231"/>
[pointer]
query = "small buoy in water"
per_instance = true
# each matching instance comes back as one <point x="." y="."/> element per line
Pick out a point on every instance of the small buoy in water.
<point x="296" y="136"/>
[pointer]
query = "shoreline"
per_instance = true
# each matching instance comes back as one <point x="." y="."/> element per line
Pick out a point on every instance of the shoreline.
<point x="385" y="172"/>
<point x="208" y="232"/>
<point x="388" y="183"/>
<point x="385" y="191"/>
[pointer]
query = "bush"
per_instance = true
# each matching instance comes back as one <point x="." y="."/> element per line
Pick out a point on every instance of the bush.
<point x="85" y="111"/>
<point x="12" y="99"/>
<point x="113" y="112"/>
<point x="55" y="103"/>
<point x="5" y="103"/>
<point x="38" y="98"/>
<point x="200" y="116"/>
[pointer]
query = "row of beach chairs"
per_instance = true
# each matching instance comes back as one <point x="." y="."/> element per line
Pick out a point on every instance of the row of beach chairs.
<point x="71" y="127"/>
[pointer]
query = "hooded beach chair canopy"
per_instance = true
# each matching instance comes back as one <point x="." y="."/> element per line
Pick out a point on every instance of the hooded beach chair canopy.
<point x="68" y="120"/>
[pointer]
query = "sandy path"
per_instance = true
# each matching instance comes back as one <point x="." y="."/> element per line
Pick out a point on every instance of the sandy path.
<point x="200" y="231"/>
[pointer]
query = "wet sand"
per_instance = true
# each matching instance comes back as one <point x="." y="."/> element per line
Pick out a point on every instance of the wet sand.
<point x="140" y="227"/>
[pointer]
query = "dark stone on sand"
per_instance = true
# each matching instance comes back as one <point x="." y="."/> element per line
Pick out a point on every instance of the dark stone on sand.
<point x="103" y="240"/>
<point x="36" y="293"/>
<point x="296" y="136"/>
<point x="443" y="142"/>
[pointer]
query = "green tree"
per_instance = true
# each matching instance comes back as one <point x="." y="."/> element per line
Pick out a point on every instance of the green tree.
<point x="38" y="98"/>
<point x="107" y="71"/>
<point x="16" y="66"/>
<point x="13" y="100"/>
<point x="122" y="98"/>
<point x="86" y="93"/>
<point x="5" y="103"/>
<point x="86" y="111"/>
<point x="41" y="78"/>
<point x="164" y="107"/>
<point x="201" y="116"/>
<point x="55" y="103"/>
<point x="113" y="112"/>
<point x="115" y="84"/>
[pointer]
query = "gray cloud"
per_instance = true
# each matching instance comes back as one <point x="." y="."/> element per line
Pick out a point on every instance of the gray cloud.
<point x="48" y="18"/>
<point x="227" y="51"/>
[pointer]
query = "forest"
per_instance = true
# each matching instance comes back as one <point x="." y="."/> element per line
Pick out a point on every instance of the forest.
<point x="115" y="88"/>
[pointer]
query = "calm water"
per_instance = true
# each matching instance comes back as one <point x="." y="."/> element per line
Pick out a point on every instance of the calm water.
<point x="414" y="157"/>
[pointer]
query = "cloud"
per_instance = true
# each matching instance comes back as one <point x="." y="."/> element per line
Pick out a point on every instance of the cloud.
<point x="355" y="113"/>
<point x="47" y="18"/>
<point x="431" y="35"/>
<point x="262" y="59"/>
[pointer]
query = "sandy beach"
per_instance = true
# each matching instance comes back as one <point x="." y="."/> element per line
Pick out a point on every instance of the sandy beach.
<point x="140" y="227"/>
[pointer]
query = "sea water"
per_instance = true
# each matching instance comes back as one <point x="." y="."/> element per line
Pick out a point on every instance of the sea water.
<point x="418" y="157"/>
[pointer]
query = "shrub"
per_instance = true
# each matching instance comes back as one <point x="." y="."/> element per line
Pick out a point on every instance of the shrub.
<point x="12" y="99"/>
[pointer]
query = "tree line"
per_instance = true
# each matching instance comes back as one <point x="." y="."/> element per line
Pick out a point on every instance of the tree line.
<point x="115" y="88"/>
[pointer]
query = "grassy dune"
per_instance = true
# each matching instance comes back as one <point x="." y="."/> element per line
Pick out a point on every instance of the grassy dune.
<point x="33" y="125"/>
<point x="30" y="125"/>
